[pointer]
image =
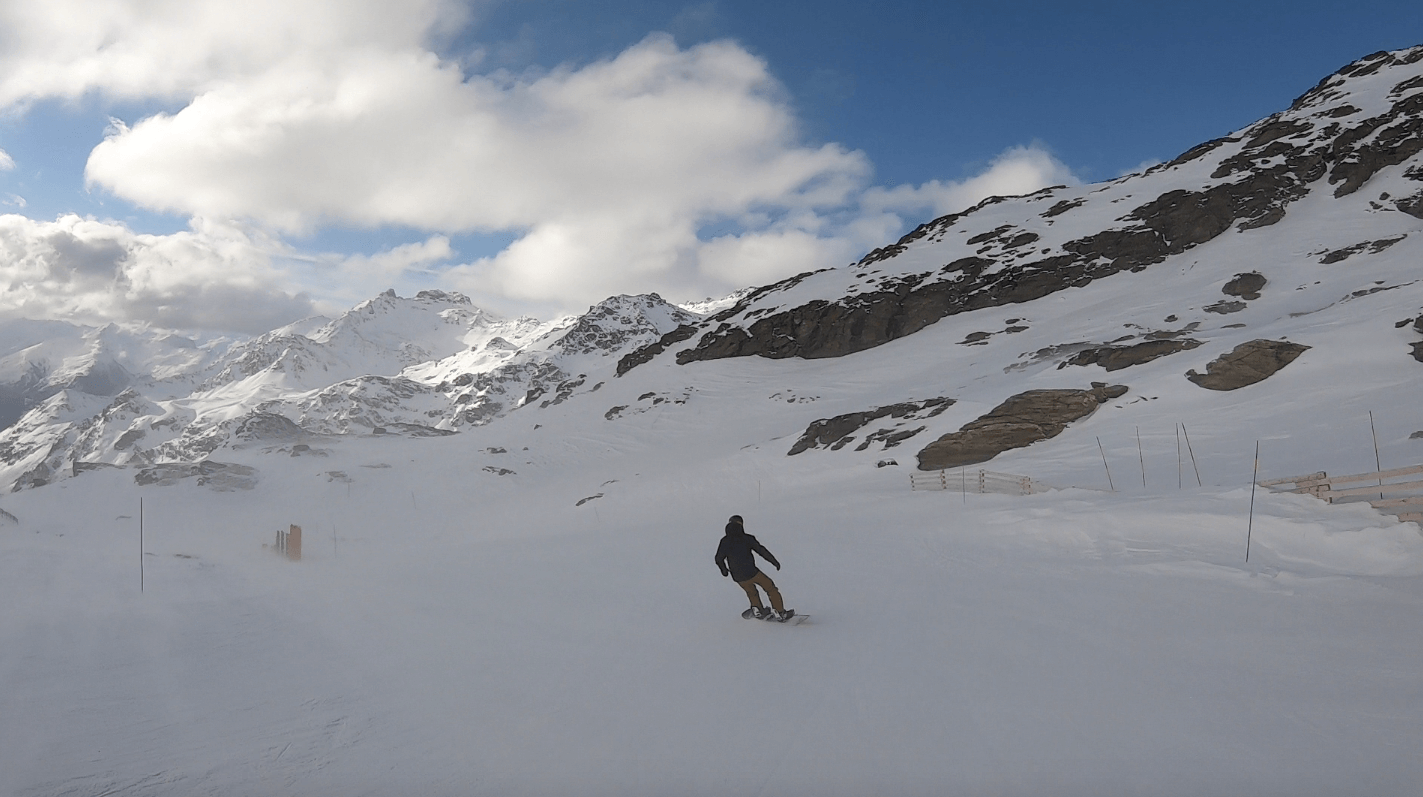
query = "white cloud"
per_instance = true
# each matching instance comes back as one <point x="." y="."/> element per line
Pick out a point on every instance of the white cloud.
<point x="6" y="162"/>
<point x="1018" y="170"/>
<point x="609" y="169"/>
<point x="80" y="269"/>
<point x="402" y="138"/>
<point x="298" y="114"/>
<point x="173" y="49"/>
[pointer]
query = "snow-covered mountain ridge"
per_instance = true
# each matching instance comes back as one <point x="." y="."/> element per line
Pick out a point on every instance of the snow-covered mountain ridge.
<point x="428" y="365"/>
<point x="1241" y="256"/>
<point x="1363" y="124"/>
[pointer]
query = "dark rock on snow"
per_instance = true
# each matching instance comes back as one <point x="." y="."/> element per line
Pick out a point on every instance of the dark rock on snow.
<point x="1247" y="364"/>
<point x="1022" y="420"/>
<point x="835" y="433"/>
<point x="1246" y="286"/>
<point x="1224" y="307"/>
<point x="220" y="476"/>
<point x="1115" y="358"/>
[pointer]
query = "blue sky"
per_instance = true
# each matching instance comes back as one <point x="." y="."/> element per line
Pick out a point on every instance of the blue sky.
<point x="298" y="156"/>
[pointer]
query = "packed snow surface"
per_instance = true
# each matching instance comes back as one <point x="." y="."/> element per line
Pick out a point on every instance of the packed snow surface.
<point x="452" y="631"/>
<point x="507" y="583"/>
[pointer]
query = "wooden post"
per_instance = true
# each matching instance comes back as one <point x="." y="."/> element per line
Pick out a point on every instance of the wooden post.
<point x="294" y="544"/>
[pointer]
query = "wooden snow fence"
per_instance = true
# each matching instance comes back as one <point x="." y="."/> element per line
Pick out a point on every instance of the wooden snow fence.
<point x="1396" y="492"/>
<point x="979" y="481"/>
<point x="289" y="543"/>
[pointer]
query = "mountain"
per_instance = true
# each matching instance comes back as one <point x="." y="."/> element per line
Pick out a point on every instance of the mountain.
<point x="506" y="582"/>
<point x="41" y="358"/>
<point x="427" y="365"/>
<point x="1216" y="269"/>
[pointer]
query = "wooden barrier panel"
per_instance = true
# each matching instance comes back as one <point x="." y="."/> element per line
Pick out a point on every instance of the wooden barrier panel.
<point x="288" y="543"/>
<point x="983" y="481"/>
<point x="1392" y="496"/>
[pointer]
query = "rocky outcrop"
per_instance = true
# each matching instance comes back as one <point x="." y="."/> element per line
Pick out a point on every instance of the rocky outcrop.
<point x="1020" y="421"/>
<point x="1258" y="174"/>
<point x="644" y="353"/>
<point x="835" y="433"/>
<point x="1372" y="247"/>
<point x="1115" y="358"/>
<point x="1412" y="205"/>
<point x="1168" y="225"/>
<point x="220" y="476"/>
<point x="267" y="426"/>
<point x="1247" y="364"/>
<point x="1246" y="286"/>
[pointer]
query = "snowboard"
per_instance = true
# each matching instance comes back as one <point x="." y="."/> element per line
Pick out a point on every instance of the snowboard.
<point x="794" y="619"/>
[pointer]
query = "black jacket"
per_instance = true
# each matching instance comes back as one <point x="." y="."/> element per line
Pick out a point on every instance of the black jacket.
<point x="735" y="550"/>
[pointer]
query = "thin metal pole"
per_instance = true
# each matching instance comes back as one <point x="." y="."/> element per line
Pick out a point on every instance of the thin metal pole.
<point x="140" y="544"/>
<point x="1178" y="456"/>
<point x="1192" y="452"/>
<point x="1104" y="465"/>
<point x="963" y="482"/>
<point x="1378" y="464"/>
<point x="1250" y="525"/>
<point x="1139" y="456"/>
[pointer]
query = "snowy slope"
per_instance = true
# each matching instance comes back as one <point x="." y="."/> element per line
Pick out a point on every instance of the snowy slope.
<point x="529" y="605"/>
<point x="40" y="358"/>
<point x="428" y="365"/>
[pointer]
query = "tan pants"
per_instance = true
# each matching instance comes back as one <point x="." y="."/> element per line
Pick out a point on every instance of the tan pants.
<point x="764" y="582"/>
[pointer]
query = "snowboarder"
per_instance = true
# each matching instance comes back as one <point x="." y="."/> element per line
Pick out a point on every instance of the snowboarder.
<point x="734" y="557"/>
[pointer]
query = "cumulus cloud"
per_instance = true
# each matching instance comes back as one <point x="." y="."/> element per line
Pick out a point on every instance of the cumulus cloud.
<point x="679" y="170"/>
<point x="609" y="169"/>
<point x="175" y="49"/>
<point x="209" y="277"/>
<point x="1018" y="170"/>
<point x="6" y="162"/>
<point x="398" y="138"/>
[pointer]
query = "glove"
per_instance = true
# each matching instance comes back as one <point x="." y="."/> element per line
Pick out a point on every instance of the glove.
<point x="778" y="565"/>
<point x="725" y="572"/>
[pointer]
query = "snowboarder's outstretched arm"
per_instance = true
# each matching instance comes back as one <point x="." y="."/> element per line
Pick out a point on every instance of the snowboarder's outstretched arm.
<point x="765" y="554"/>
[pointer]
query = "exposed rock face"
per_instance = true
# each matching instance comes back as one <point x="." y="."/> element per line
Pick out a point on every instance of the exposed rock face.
<point x="645" y="353"/>
<point x="957" y="263"/>
<point x="1224" y="307"/>
<point x="835" y="433"/>
<point x="1373" y="247"/>
<point x="1022" y="420"/>
<point x="1246" y="286"/>
<point x="1115" y="358"/>
<point x="1412" y="205"/>
<point x="1247" y="364"/>
<point x="220" y="476"/>
<point x="267" y="426"/>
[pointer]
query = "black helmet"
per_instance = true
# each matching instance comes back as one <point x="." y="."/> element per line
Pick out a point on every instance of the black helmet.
<point x="736" y="519"/>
